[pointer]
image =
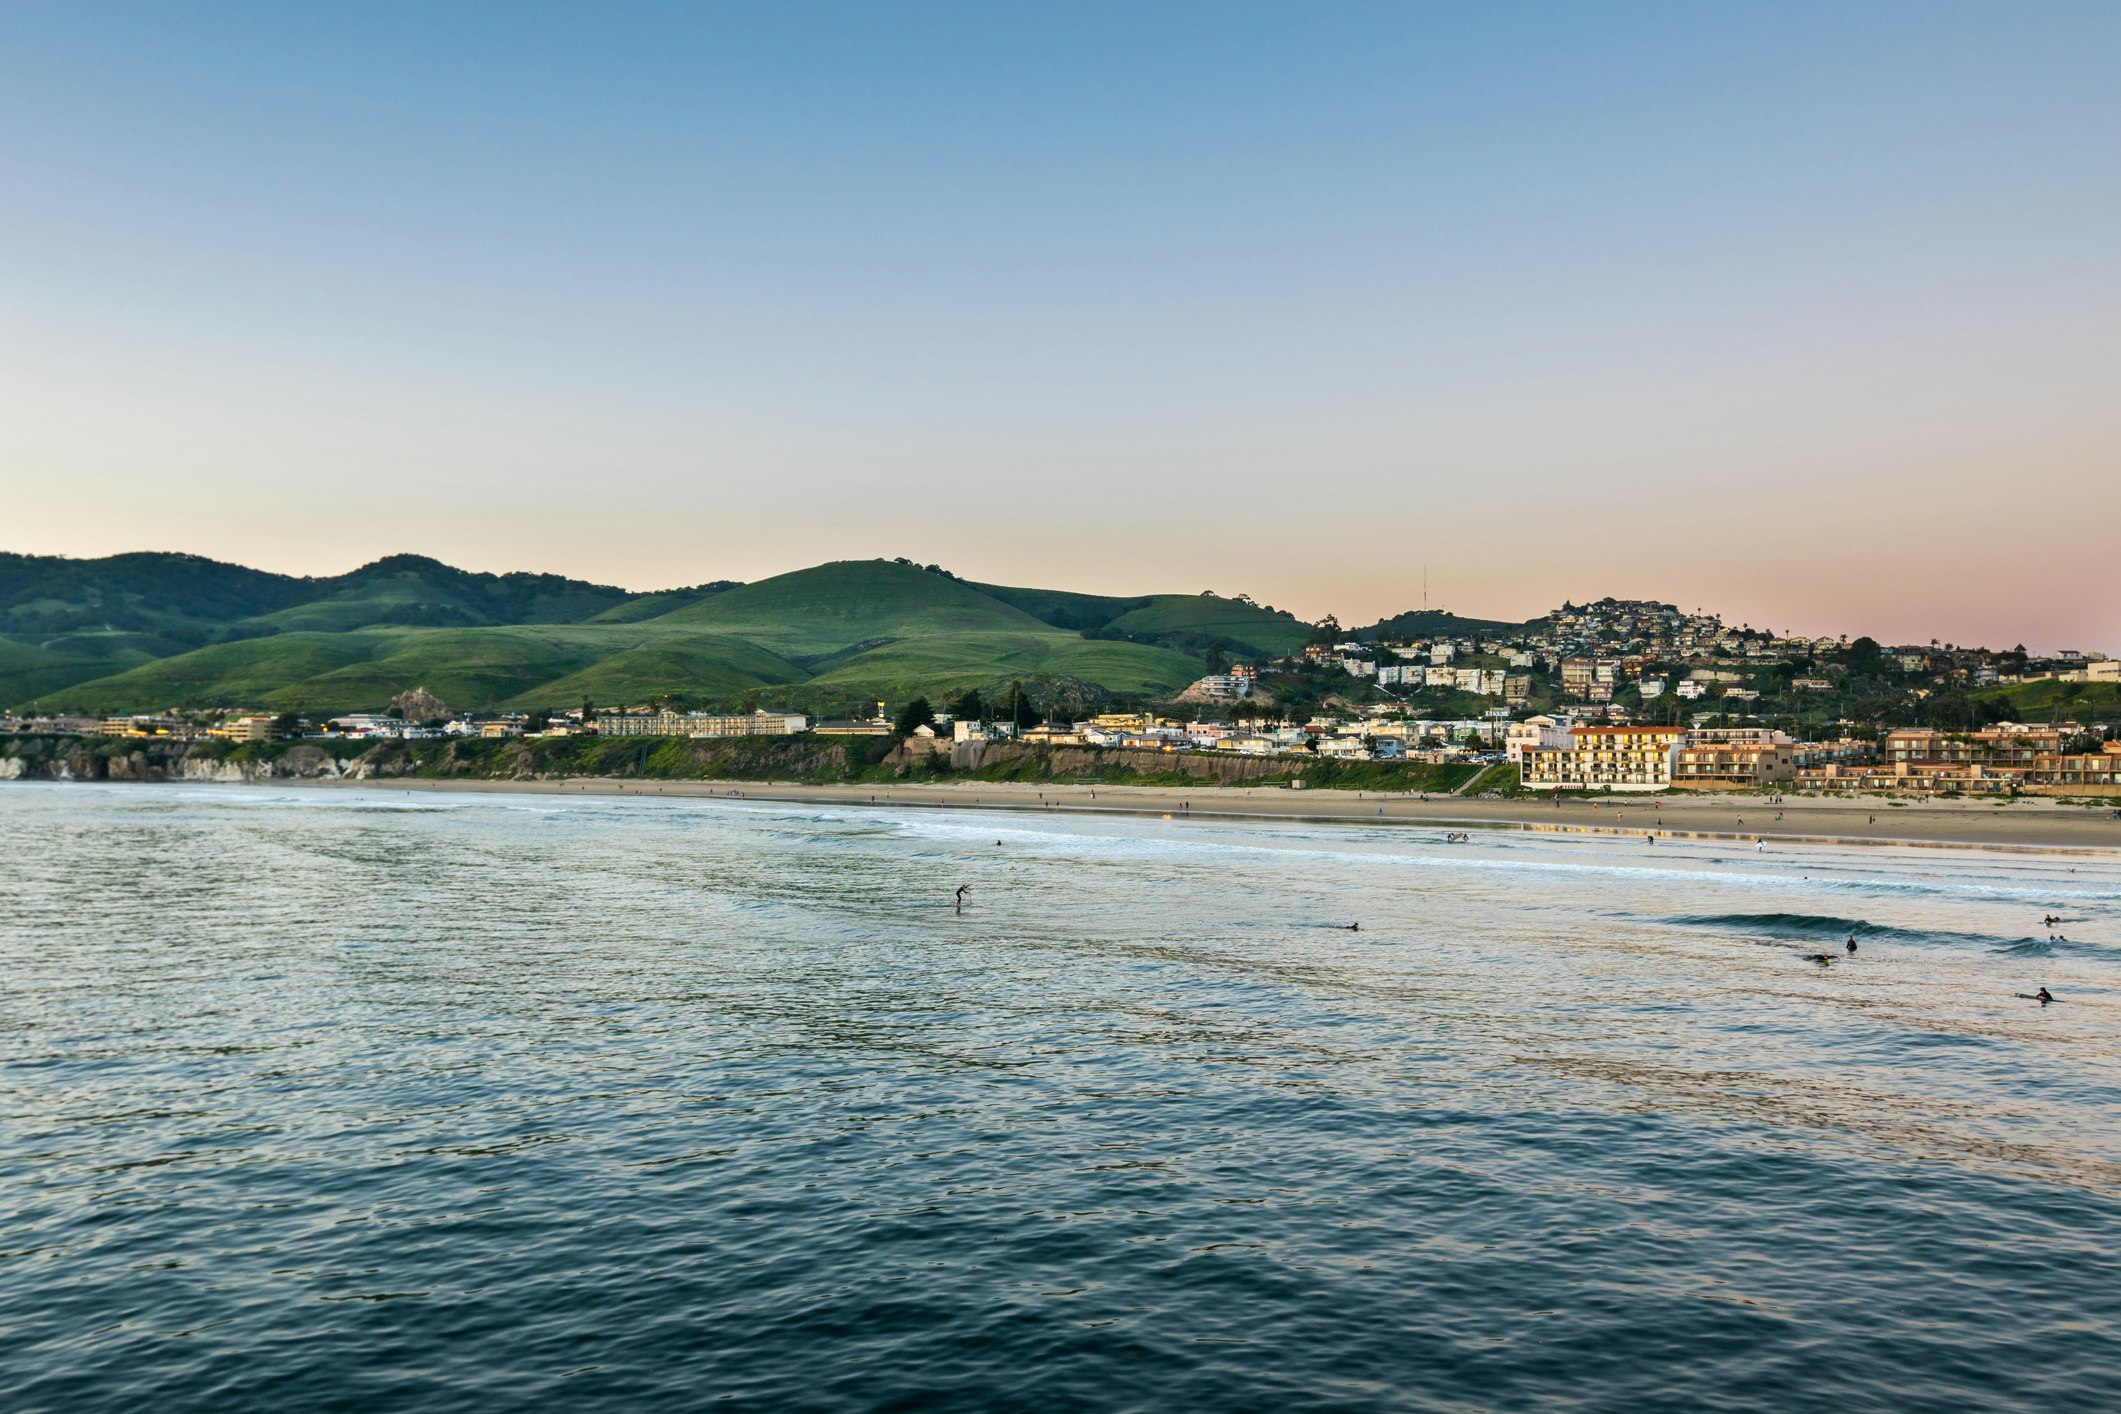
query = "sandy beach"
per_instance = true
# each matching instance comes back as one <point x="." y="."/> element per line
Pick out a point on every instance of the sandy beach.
<point x="2020" y="824"/>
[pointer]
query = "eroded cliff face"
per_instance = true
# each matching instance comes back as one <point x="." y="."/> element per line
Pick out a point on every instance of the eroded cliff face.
<point x="36" y="758"/>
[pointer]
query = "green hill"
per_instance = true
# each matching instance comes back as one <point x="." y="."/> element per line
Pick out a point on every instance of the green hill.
<point x="413" y="590"/>
<point x="814" y="613"/>
<point x="151" y="631"/>
<point x="45" y="595"/>
<point x="196" y="600"/>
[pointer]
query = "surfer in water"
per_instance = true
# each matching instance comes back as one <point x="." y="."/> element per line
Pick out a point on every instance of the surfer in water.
<point x="1852" y="943"/>
<point x="2043" y="996"/>
<point x="962" y="890"/>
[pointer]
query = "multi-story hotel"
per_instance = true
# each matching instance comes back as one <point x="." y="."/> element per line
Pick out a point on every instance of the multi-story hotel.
<point x="2043" y="773"/>
<point x="1623" y="758"/>
<point x="1737" y="758"/>
<point x="2003" y="745"/>
<point x="701" y="724"/>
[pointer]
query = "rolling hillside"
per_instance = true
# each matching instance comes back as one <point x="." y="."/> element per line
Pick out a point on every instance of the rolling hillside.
<point x="148" y="632"/>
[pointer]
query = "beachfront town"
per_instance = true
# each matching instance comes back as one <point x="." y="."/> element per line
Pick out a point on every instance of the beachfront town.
<point x="1621" y="696"/>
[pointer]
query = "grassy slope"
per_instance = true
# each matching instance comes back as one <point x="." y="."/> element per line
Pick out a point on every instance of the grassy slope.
<point x="1061" y="608"/>
<point x="1197" y="616"/>
<point x="1161" y="616"/>
<point x="654" y="606"/>
<point x="952" y="661"/>
<point x="31" y="669"/>
<point x="2034" y="701"/>
<point x="820" y="611"/>
<point x="245" y="673"/>
<point x="696" y="664"/>
<point x="552" y="665"/>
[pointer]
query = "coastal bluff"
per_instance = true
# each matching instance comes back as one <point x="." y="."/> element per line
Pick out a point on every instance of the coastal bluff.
<point x="794" y="759"/>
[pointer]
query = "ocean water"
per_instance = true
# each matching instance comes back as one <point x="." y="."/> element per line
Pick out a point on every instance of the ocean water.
<point x="323" y="1099"/>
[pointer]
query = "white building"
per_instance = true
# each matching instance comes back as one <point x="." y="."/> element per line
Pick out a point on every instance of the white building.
<point x="1225" y="685"/>
<point x="1542" y="733"/>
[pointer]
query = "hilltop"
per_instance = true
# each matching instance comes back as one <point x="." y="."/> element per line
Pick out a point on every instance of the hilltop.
<point x="1428" y="623"/>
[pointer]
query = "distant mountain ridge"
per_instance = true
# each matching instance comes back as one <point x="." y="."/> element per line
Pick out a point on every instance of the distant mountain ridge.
<point x="151" y="630"/>
<point x="180" y="595"/>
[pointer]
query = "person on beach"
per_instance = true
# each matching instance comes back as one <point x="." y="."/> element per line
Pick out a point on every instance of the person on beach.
<point x="962" y="890"/>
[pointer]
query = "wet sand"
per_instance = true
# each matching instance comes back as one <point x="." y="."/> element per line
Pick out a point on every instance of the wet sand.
<point x="2021" y="824"/>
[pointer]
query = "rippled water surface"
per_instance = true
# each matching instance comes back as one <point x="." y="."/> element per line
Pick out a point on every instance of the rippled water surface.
<point x="378" y="1100"/>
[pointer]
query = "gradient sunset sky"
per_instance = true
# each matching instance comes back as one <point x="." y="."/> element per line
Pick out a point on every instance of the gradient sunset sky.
<point x="1810" y="315"/>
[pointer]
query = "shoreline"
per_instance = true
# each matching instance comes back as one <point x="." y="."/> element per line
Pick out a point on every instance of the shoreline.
<point x="2036" y="824"/>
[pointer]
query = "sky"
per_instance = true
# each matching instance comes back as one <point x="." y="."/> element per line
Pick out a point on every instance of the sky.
<point x="1805" y="314"/>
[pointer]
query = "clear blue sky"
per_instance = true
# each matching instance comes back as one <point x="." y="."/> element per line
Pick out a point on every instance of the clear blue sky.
<point x="1807" y="313"/>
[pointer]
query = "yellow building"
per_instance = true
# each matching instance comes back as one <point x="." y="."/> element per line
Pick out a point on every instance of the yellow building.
<point x="1734" y="763"/>
<point x="1620" y="758"/>
<point x="708" y="724"/>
